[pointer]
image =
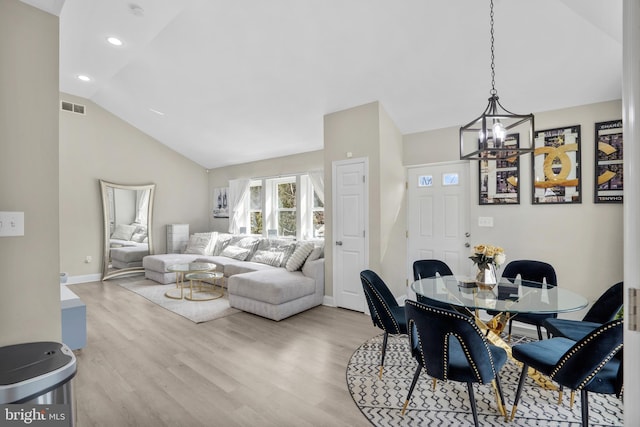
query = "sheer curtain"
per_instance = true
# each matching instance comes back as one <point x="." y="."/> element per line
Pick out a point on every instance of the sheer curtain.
<point x="317" y="179"/>
<point x="142" y="206"/>
<point x="238" y="214"/>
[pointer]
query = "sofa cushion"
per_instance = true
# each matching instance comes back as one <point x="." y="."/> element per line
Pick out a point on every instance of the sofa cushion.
<point x="241" y="267"/>
<point x="297" y="258"/>
<point x="274" y="286"/>
<point x="222" y="241"/>
<point x="123" y="232"/>
<point x="274" y="252"/>
<point x="198" y="244"/>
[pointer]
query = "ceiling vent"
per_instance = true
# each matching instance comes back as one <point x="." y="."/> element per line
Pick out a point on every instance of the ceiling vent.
<point x="72" y="108"/>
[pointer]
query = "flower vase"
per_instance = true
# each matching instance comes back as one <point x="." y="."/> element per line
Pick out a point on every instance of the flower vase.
<point x="486" y="277"/>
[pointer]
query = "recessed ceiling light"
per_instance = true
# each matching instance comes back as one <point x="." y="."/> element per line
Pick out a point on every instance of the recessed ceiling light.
<point x="114" y="41"/>
<point x="84" y="78"/>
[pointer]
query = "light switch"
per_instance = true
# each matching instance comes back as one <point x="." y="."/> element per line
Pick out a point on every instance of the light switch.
<point x="485" y="221"/>
<point x="11" y="224"/>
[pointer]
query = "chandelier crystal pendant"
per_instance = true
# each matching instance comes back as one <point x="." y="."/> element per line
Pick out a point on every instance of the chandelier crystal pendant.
<point x="497" y="133"/>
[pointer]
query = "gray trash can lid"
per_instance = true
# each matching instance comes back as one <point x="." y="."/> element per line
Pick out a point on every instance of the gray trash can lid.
<point x="31" y="369"/>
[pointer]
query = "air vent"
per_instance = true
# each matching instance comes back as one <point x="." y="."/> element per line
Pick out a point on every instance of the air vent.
<point x="71" y="107"/>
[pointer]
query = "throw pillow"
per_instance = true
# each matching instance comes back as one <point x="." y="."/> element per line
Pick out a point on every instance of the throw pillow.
<point x="297" y="258"/>
<point x="211" y="237"/>
<point x="235" y="252"/>
<point x="221" y="243"/>
<point x="316" y="253"/>
<point x="274" y="252"/>
<point x="197" y="244"/>
<point x="123" y="232"/>
<point x="139" y="237"/>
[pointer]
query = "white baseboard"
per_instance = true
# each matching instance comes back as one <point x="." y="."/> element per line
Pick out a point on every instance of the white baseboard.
<point x="328" y="301"/>
<point x="73" y="280"/>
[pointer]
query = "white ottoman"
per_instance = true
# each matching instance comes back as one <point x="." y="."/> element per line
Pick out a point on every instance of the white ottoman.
<point x="128" y="256"/>
<point x="155" y="266"/>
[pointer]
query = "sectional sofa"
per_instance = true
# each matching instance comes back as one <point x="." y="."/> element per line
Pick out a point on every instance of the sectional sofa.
<point x="273" y="278"/>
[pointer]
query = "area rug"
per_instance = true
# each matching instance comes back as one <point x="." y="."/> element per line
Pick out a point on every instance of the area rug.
<point x="196" y="311"/>
<point x="381" y="400"/>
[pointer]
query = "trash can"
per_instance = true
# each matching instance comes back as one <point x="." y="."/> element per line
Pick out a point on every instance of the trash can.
<point x="39" y="373"/>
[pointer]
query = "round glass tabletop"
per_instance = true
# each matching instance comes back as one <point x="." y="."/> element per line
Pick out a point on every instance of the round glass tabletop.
<point x="519" y="296"/>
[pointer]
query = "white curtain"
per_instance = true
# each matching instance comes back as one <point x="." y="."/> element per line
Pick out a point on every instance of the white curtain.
<point x="238" y="214"/>
<point x="142" y="206"/>
<point x="317" y="179"/>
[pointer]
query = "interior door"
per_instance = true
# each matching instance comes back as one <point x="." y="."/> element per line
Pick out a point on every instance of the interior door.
<point x="438" y="215"/>
<point x="350" y="232"/>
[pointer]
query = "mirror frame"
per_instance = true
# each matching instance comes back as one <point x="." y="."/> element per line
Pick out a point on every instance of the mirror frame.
<point x="106" y="274"/>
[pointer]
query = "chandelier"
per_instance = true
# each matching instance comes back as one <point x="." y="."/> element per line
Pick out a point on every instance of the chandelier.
<point x="496" y="133"/>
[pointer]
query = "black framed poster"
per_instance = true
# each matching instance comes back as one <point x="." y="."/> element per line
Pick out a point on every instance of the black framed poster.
<point x="556" y="166"/>
<point x="498" y="183"/>
<point x="609" y="182"/>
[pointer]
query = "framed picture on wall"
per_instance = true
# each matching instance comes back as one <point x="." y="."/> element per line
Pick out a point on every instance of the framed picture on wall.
<point x="556" y="166"/>
<point x="221" y="202"/>
<point x="499" y="177"/>
<point x="609" y="181"/>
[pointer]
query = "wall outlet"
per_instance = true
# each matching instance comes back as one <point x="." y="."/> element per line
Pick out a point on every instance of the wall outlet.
<point x="485" y="221"/>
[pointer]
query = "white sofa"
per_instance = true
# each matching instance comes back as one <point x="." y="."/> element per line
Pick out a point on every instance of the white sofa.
<point x="275" y="279"/>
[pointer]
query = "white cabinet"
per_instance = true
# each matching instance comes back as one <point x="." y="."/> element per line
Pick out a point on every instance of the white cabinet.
<point x="177" y="238"/>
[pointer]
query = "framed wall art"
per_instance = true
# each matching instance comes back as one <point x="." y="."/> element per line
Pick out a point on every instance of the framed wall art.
<point x="556" y="166"/>
<point x="499" y="177"/>
<point x="221" y="202"/>
<point x="609" y="182"/>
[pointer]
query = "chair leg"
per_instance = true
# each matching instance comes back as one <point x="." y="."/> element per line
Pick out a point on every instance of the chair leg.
<point x="510" y="326"/>
<point x="499" y="396"/>
<point x="539" y="333"/>
<point x="413" y="384"/>
<point x="523" y="375"/>
<point x="472" y="401"/>
<point x="384" y="351"/>
<point x="584" y="401"/>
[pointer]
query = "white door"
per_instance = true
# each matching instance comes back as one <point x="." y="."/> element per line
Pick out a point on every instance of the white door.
<point x="349" y="232"/>
<point x="438" y="215"/>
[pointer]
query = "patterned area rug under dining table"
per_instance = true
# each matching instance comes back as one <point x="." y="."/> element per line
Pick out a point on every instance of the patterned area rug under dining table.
<point x="381" y="400"/>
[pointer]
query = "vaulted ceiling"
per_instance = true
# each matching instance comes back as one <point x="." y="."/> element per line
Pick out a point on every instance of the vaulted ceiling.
<point x="227" y="82"/>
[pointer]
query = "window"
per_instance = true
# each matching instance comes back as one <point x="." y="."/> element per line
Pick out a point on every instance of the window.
<point x="318" y="215"/>
<point x="285" y="207"/>
<point x="255" y="207"/>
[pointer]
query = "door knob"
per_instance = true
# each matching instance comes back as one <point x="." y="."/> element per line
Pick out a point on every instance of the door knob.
<point x="339" y="243"/>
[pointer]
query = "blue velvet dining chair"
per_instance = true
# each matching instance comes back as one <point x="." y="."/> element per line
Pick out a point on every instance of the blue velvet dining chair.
<point x="386" y="313"/>
<point x="593" y="364"/>
<point x="424" y="268"/>
<point x="534" y="271"/>
<point x="450" y="346"/>
<point x="602" y="311"/>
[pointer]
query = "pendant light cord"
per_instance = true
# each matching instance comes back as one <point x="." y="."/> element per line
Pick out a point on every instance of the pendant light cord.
<point x="493" y="65"/>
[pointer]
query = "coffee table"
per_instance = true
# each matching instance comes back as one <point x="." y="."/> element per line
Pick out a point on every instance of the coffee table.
<point x="181" y="270"/>
<point x="209" y="290"/>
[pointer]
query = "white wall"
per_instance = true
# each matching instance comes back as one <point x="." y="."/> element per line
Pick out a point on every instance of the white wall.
<point x="29" y="280"/>
<point x="582" y="241"/>
<point x="99" y="145"/>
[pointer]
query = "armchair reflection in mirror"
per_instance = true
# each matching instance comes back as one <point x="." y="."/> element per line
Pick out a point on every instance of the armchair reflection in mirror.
<point x="127" y="213"/>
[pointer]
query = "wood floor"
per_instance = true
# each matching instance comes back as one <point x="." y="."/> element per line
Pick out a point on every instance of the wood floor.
<point x="145" y="366"/>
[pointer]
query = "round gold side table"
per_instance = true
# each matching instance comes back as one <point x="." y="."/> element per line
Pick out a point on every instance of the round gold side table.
<point x="204" y="292"/>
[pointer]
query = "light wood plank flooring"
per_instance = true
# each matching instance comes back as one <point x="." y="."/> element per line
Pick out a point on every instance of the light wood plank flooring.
<point x="145" y="366"/>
